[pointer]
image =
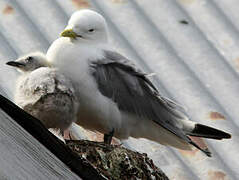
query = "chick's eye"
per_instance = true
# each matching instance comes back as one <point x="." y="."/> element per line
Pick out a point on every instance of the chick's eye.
<point x="91" y="30"/>
<point x="29" y="59"/>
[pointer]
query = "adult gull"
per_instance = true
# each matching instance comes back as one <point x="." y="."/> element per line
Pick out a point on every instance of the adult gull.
<point x="117" y="98"/>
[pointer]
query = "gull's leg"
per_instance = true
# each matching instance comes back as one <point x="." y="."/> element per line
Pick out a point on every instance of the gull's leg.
<point x="70" y="137"/>
<point x="108" y="137"/>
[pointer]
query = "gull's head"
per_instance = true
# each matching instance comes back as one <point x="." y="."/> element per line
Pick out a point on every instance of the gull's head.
<point x="86" y="25"/>
<point x="30" y="62"/>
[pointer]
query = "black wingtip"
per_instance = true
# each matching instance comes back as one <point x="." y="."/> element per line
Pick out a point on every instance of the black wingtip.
<point x="227" y="136"/>
<point x="201" y="130"/>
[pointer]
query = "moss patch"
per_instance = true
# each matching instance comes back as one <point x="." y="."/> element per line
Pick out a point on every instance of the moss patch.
<point x="117" y="162"/>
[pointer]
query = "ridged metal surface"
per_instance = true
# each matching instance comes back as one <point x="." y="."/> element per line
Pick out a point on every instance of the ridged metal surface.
<point x="23" y="157"/>
<point x="197" y="64"/>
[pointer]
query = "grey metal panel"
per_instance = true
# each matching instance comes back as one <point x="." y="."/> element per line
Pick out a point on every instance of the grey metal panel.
<point x="197" y="64"/>
<point x="23" y="157"/>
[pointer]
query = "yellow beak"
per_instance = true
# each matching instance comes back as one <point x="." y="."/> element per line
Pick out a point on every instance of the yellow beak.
<point x="69" y="33"/>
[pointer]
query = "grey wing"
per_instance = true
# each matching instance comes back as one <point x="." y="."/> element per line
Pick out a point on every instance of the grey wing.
<point x="118" y="79"/>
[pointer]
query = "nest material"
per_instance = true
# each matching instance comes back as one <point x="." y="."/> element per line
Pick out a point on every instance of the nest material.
<point x="117" y="162"/>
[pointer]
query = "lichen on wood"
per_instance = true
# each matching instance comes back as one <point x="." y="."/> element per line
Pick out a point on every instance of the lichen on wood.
<point x="117" y="162"/>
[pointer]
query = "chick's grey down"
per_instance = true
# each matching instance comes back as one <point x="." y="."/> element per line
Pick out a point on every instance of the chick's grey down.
<point x="116" y="97"/>
<point x="44" y="92"/>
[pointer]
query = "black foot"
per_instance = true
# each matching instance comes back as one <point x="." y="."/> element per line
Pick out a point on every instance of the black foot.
<point x="108" y="137"/>
<point x="61" y="132"/>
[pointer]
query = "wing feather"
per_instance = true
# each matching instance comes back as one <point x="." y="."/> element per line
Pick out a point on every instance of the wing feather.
<point x="118" y="79"/>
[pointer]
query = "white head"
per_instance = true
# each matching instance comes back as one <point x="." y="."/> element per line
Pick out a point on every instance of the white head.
<point x="30" y="62"/>
<point x="86" y="25"/>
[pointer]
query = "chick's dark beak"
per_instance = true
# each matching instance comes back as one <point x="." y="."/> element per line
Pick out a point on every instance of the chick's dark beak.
<point x="15" y="64"/>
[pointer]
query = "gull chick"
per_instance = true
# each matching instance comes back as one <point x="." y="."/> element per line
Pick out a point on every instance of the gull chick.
<point x="45" y="93"/>
<point x="117" y="98"/>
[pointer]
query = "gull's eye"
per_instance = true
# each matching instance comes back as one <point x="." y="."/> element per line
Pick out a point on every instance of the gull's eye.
<point x="91" y="30"/>
<point x="29" y="59"/>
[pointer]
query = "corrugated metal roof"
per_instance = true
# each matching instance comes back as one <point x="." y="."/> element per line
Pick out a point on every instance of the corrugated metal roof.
<point x="23" y="157"/>
<point x="197" y="64"/>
